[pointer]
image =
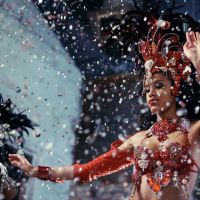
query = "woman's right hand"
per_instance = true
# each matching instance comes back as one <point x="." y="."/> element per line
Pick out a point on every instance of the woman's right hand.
<point x="21" y="162"/>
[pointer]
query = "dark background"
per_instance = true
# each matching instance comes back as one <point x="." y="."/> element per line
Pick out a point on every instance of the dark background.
<point x="109" y="109"/>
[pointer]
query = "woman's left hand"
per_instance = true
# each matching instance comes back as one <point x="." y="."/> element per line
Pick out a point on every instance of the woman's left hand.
<point x="192" y="48"/>
<point x="21" y="162"/>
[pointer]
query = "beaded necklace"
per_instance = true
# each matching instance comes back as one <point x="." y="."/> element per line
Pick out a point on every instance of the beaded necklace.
<point x="166" y="126"/>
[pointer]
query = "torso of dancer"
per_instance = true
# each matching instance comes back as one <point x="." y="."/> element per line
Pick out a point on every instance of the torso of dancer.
<point x="165" y="157"/>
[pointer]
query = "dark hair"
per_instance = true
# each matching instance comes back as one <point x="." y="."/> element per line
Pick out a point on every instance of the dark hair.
<point x="190" y="95"/>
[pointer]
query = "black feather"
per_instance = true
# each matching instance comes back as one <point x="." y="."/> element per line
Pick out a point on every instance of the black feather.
<point x="15" y="121"/>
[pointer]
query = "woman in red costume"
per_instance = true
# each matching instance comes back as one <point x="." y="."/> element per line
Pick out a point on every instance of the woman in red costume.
<point x="164" y="156"/>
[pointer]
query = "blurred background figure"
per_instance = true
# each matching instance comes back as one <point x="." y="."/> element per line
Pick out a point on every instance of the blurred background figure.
<point x="13" y="125"/>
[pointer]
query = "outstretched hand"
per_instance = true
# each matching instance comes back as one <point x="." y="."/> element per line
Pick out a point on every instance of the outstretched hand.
<point x="21" y="162"/>
<point x="192" y="48"/>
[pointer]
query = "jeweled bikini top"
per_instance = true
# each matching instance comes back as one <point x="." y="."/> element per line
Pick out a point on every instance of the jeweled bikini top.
<point x="169" y="163"/>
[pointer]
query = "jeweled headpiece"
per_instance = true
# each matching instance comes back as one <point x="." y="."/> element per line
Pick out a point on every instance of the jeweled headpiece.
<point x="164" y="53"/>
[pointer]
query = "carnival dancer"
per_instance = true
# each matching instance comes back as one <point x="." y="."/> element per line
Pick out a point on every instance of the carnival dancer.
<point x="164" y="155"/>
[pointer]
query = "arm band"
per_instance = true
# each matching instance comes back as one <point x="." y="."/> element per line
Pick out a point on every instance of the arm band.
<point x="108" y="163"/>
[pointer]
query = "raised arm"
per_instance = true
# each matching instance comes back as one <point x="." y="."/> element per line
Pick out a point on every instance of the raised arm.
<point x="120" y="156"/>
<point x="192" y="48"/>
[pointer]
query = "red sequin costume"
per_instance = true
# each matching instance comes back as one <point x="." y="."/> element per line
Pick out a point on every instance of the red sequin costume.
<point x="172" y="163"/>
<point x="168" y="164"/>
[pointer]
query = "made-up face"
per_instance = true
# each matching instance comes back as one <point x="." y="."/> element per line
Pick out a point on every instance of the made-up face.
<point x="158" y="91"/>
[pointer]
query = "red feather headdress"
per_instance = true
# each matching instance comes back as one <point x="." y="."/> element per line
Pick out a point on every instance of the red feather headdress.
<point x="164" y="53"/>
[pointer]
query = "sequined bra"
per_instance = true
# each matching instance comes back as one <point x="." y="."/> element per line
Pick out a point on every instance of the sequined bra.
<point x="171" y="163"/>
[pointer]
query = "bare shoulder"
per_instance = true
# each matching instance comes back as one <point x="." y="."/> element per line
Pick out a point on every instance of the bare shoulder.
<point x="138" y="137"/>
<point x="195" y="123"/>
<point x="194" y="131"/>
<point x="134" y="139"/>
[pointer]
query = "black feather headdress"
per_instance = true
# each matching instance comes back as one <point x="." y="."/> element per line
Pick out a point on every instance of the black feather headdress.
<point x="12" y="124"/>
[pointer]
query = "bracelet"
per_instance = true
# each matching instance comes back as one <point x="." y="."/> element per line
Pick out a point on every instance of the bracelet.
<point x="44" y="173"/>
